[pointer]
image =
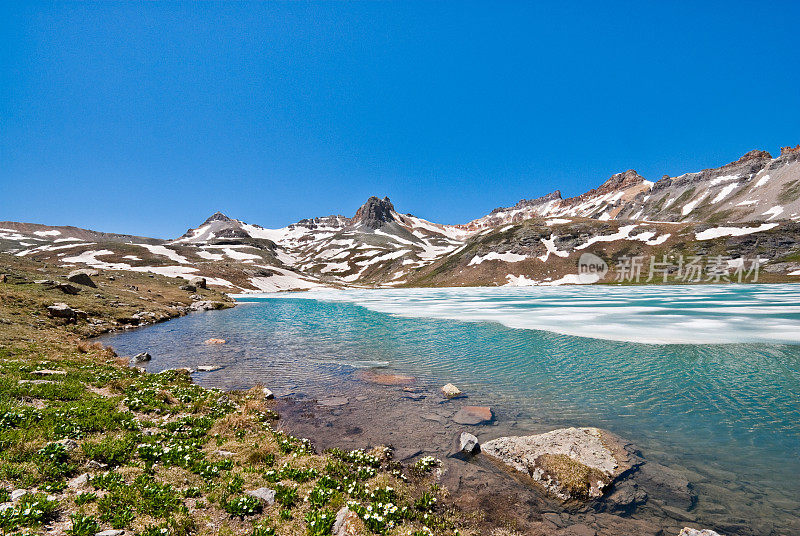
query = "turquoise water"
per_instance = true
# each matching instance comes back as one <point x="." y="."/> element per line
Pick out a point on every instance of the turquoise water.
<point x="723" y="405"/>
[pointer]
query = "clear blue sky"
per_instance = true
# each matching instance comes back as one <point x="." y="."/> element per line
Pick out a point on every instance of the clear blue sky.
<point x="146" y="118"/>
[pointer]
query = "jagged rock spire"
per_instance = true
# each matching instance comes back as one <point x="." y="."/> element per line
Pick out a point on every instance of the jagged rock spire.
<point x="375" y="213"/>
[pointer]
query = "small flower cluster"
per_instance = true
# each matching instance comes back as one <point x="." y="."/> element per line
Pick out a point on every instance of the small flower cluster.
<point x="379" y="516"/>
<point x="426" y="464"/>
<point x="320" y="522"/>
<point x="242" y="506"/>
<point x="319" y="496"/>
<point x="287" y="472"/>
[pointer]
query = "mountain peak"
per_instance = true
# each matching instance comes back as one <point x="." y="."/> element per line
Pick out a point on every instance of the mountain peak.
<point x="375" y="213"/>
<point x="755" y="154"/>
<point x="217" y="216"/>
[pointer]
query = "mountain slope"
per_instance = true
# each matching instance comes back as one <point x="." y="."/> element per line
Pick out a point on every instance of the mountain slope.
<point x="745" y="208"/>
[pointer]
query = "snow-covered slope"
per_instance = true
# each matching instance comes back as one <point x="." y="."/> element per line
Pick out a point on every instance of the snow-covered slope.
<point x="747" y="206"/>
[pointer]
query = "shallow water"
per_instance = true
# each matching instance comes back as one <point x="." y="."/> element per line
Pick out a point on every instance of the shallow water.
<point x="728" y="415"/>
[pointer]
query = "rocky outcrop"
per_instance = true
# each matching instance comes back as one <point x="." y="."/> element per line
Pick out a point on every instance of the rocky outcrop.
<point x="569" y="463"/>
<point x="790" y="150"/>
<point x="375" y="213"/>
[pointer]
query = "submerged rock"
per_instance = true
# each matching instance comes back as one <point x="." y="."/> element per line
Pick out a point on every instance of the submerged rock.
<point x="473" y="415"/>
<point x="569" y="463"/>
<point x="385" y="378"/>
<point x="333" y="401"/>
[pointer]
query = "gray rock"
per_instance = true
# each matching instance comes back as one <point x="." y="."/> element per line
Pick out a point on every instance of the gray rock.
<point x="199" y="282"/>
<point x="467" y="443"/>
<point x="205" y="305"/>
<point x="266" y="495"/>
<point x="348" y="523"/>
<point x="268" y="395"/>
<point x="78" y="481"/>
<point x="69" y="444"/>
<point x="61" y="310"/>
<point x="17" y="493"/>
<point x="141" y="358"/>
<point x="111" y="532"/>
<point x="94" y="464"/>
<point x="82" y="277"/>
<point x="46" y="282"/>
<point x="569" y="463"/>
<point x="688" y="531"/>
<point x="188" y="288"/>
<point x="208" y="368"/>
<point x="66" y="288"/>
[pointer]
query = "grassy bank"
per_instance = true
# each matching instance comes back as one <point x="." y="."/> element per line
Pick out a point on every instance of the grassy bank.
<point x="88" y="443"/>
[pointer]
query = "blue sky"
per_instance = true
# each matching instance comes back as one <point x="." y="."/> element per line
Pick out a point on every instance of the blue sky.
<point x="146" y="118"/>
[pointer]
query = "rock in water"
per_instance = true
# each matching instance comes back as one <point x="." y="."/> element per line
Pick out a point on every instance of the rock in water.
<point x="348" y="523"/>
<point x="473" y="415"/>
<point x="465" y="446"/>
<point x="451" y="391"/>
<point x="82" y="277"/>
<point x="569" y="463"/>
<point x="141" y="358"/>
<point x="215" y="341"/>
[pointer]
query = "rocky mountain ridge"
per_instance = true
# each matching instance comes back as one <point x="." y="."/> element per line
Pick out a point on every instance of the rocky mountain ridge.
<point x="749" y="207"/>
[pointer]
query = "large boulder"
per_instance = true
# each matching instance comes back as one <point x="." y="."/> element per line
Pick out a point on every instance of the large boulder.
<point x="569" y="463"/>
<point x="83" y="277"/>
<point x="199" y="282"/>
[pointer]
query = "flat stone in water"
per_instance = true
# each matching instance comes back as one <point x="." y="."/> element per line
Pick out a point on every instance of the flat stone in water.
<point x="333" y="401"/>
<point x="385" y="378"/>
<point x="473" y="415"/>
